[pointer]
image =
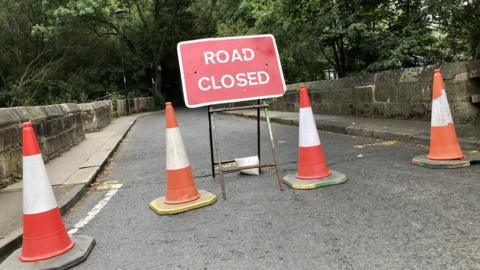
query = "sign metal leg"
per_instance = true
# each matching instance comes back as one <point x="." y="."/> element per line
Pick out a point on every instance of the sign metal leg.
<point x="258" y="136"/>
<point x="212" y="158"/>
<point x="217" y="153"/>
<point x="272" y="141"/>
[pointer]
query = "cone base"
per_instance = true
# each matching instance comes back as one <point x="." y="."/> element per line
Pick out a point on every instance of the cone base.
<point x="80" y="251"/>
<point x="160" y="207"/>
<point x="424" y="161"/>
<point x="333" y="179"/>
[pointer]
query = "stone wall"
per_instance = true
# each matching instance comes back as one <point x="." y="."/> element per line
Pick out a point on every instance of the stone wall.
<point x="121" y="107"/>
<point x="96" y="115"/>
<point x="398" y="94"/>
<point x="143" y="104"/>
<point x="58" y="128"/>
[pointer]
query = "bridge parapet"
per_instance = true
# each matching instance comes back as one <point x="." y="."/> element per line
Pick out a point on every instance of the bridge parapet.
<point x="58" y="127"/>
<point x="397" y="94"/>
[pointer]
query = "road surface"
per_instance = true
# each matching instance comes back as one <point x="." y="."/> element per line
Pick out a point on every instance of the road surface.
<point x="388" y="215"/>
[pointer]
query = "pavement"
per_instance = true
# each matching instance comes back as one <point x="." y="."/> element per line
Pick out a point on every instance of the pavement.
<point x="70" y="175"/>
<point x="412" y="131"/>
<point x="389" y="214"/>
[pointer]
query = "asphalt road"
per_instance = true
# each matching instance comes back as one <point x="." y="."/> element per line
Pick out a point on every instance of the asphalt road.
<point x="388" y="215"/>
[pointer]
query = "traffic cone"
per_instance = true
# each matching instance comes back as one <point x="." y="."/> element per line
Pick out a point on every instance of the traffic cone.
<point x="44" y="234"/>
<point x="443" y="138"/>
<point x="445" y="151"/>
<point x="181" y="194"/>
<point x="312" y="169"/>
<point x="311" y="158"/>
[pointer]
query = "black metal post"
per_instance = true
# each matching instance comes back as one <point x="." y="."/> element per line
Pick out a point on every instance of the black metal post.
<point x="212" y="158"/>
<point x="118" y="12"/>
<point x="258" y="136"/>
<point x="220" y="163"/>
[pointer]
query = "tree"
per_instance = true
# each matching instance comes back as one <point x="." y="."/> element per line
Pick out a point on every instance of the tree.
<point x="69" y="50"/>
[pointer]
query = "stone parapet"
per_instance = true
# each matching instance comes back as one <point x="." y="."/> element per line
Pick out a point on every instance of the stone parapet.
<point x="58" y="128"/>
<point x="121" y="107"/>
<point x="396" y="94"/>
<point x="143" y="104"/>
<point x="96" y="115"/>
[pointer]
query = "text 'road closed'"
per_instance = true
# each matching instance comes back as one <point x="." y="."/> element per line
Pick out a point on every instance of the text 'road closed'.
<point x="223" y="70"/>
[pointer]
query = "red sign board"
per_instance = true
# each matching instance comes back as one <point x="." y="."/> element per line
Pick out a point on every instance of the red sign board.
<point x="224" y="70"/>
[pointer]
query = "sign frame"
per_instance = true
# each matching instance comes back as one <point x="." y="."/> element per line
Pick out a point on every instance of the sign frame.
<point x="181" y="66"/>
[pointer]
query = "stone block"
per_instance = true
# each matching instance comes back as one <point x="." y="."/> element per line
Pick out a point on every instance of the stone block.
<point x="10" y="137"/>
<point x="51" y="111"/>
<point x="474" y="73"/>
<point x="296" y="86"/>
<point x="347" y="108"/>
<point x="451" y="70"/>
<point x="473" y="86"/>
<point x="405" y="92"/>
<point x="320" y="108"/>
<point x="347" y="95"/>
<point x="121" y="107"/>
<point x="363" y="80"/>
<point x="364" y="109"/>
<point x="386" y="93"/>
<point x="280" y="106"/>
<point x="409" y="75"/>
<point x="475" y="98"/>
<point x="342" y="83"/>
<point x="7" y="117"/>
<point x="417" y="92"/>
<point x="464" y="112"/>
<point x="291" y="107"/>
<point x="316" y="86"/>
<point x="315" y="94"/>
<point x="70" y="108"/>
<point x="396" y="110"/>
<point x="291" y="97"/>
<point x="28" y="114"/>
<point x="334" y="109"/>
<point x="34" y="114"/>
<point x="364" y="94"/>
<point x="95" y="115"/>
<point x="378" y="110"/>
<point x="388" y="77"/>
<point x="418" y="111"/>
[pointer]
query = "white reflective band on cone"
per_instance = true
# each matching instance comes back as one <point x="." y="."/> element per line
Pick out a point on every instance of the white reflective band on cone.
<point x="308" y="134"/>
<point x="441" y="115"/>
<point x="176" y="155"/>
<point x="38" y="194"/>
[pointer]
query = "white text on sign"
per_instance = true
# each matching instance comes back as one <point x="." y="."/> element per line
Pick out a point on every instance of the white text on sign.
<point x="228" y="81"/>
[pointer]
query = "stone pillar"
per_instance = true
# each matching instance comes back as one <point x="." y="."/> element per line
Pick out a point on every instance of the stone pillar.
<point x="121" y="107"/>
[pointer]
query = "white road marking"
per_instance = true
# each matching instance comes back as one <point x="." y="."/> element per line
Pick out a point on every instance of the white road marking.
<point x="95" y="210"/>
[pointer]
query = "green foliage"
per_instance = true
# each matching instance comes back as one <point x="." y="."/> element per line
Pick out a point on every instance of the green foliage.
<point x="71" y="51"/>
<point x="357" y="36"/>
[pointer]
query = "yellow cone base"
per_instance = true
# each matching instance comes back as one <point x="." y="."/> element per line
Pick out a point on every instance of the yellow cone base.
<point x="160" y="207"/>
<point x="80" y="251"/>
<point x="295" y="183"/>
<point x="440" y="164"/>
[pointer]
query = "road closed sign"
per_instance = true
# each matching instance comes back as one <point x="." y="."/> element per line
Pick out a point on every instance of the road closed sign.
<point x="233" y="69"/>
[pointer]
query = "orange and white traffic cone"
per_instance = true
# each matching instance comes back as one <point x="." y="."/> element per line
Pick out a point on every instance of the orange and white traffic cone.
<point x="445" y="150"/>
<point x="181" y="194"/>
<point x="443" y="137"/>
<point x="45" y="240"/>
<point x="312" y="169"/>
